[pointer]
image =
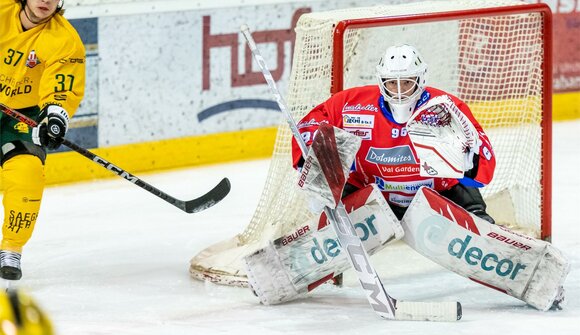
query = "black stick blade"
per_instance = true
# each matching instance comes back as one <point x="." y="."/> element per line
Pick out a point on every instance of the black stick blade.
<point x="209" y="199"/>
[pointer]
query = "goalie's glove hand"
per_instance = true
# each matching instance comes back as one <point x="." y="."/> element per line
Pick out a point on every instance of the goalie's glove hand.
<point x="52" y="127"/>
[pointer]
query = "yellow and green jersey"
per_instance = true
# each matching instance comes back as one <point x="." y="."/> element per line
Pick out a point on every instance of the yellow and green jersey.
<point x="41" y="66"/>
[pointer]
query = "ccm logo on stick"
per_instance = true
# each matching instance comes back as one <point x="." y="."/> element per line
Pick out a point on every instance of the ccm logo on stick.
<point x="488" y="262"/>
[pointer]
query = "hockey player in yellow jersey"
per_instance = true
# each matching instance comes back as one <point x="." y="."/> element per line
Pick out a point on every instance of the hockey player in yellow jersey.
<point x="42" y="75"/>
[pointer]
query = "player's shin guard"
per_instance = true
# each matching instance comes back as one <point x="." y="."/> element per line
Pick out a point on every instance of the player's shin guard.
<point x="299" y="261"/>
<point x="526" y="268"/>
<point x="23" y="180"/>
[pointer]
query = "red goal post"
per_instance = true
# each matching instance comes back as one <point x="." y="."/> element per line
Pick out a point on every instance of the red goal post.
<point x="337" y="84"/>
<point x="496" y="55"/>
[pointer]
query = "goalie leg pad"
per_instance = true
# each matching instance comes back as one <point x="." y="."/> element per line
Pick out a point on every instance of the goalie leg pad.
<point x="526" y="268"/>
<point x="299" y="261"/>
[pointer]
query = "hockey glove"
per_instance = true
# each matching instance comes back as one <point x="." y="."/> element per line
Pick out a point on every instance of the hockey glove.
<point x="51" y="128"/>
<point x="444" y="138"/>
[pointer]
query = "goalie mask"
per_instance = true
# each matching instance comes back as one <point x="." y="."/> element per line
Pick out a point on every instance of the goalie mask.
<point x="402" y="75"/>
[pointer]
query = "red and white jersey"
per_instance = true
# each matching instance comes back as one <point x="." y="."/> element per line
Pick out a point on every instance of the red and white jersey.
<point x="386" y="156"/>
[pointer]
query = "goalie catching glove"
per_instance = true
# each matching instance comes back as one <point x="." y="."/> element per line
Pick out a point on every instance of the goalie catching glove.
<point x="444" y="138"/>
<point x="52" y="127"/>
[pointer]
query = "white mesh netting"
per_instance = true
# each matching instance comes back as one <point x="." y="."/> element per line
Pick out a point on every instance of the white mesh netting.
<point x="493" y="62"/>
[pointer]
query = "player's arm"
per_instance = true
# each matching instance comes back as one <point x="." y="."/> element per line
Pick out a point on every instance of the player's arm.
<point x="481" y="157"/>
<point x="61" y="90"/>
<point x="307" y="127"/>
<point x="63" y="80"/>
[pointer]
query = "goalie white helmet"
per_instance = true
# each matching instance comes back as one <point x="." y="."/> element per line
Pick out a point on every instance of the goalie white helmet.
<point x="402" y="76"/>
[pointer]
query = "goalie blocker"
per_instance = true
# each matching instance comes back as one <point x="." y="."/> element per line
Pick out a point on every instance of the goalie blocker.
<point x="526" y="268"/>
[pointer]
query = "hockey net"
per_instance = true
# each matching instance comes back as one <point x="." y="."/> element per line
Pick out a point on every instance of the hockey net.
<point x="493" y="54"/>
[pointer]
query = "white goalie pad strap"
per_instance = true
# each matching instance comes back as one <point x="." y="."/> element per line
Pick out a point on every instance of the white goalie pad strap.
<point x="310" y="255"/>
<point x="312" y="179"/>
<point x="524" y="267"/>
<point x="444" y="138"/>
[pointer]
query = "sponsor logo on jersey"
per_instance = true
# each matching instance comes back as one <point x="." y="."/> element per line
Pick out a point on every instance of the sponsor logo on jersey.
<point x="391" y="156"/>
<point x="403" y="187"/>
<point x="309" y="123"/>
<point x="365" y="134"/>
<point x="401" y="200"/>
<point x="21" y="127"/>
<point x="358" y="121"/>
<point x="32" y="60"/>
<point x="394" y="162"/>
<point x="358" y="108"/>
<point x="10" y="91"/>
<point x="71" y="60"/>
<point x="60" y="97"/>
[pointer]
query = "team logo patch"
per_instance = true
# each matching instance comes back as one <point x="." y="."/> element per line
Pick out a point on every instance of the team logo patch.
<point x="21" y="127"/>
<point x="429" y="169"/>
<point x="32" y="60"/>
<point x="358" y="121"/>
<point x="365" y="134"/>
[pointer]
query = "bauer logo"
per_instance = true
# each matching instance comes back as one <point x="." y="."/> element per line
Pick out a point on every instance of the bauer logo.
<point x="324" y="250"/>
<point x="488" y="262"/>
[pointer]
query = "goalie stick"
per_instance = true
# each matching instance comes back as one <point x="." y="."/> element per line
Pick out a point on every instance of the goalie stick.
<point x="382" y="303"/>
<point x="207" y="200"/>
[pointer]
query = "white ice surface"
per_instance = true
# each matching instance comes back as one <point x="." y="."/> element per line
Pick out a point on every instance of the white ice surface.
<point x="109" y="258"/>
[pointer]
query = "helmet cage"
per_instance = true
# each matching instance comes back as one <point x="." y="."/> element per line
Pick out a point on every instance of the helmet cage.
<point x="402" y="89"/>
<point x="400" y="64"/>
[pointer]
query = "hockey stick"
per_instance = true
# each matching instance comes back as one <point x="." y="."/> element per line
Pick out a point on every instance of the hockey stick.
<point x="381" y="302"/>
<point x="207" y="200"/>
